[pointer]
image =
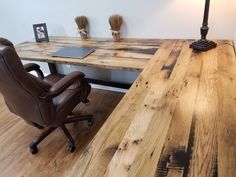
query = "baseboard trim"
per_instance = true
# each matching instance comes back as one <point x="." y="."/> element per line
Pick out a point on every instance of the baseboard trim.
<point x="107" y="88"/>
<point x="108" y="83"/>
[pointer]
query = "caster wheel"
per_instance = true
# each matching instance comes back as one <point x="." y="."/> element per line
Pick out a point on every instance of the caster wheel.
<point x="90" y="122"/>
<point x="87" y="103"/>
<point x="70" y="148"/>
<point x="33" y="149"/>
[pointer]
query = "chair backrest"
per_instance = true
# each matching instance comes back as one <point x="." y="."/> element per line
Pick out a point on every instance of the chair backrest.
<point x="21" y="90"/>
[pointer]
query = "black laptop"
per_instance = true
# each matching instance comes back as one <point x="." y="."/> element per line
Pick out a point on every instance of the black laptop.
<point x="73" y="52"/>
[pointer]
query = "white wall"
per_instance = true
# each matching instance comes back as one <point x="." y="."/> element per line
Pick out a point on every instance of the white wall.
<point x="143" y="18"/>
<point x="235" y="39"/>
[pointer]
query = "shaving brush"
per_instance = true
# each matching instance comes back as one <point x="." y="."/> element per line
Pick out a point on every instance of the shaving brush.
<point x="115" y="23"/>
<point x="82" y="23"/>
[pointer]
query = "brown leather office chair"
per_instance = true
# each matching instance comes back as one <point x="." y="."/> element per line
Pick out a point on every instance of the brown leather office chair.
<point x="44" y="102"/>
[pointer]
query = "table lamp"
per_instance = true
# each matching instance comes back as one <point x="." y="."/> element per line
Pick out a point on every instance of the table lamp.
<point x="203" y="44"/>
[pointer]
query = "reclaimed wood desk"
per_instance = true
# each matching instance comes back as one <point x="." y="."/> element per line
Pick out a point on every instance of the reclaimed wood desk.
<point x="178" y="119"/>
<point x="128" y="54"/>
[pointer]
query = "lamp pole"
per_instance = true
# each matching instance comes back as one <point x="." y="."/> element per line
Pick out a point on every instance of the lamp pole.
<point x="203" y="44"/>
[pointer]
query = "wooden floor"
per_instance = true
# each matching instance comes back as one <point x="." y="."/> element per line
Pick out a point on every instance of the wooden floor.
<point x="52" y="160"/>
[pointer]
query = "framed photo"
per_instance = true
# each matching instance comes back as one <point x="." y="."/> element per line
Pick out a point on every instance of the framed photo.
<point x="40" y="32"/>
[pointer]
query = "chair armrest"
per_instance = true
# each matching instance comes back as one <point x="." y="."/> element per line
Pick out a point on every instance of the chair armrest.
<point x="64" y="83"/>
<point x="34" y="67"/>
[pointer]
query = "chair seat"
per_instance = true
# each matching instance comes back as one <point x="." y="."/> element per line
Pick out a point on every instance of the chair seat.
<point x="51" y="79"/>
<point x="68" y="99"/>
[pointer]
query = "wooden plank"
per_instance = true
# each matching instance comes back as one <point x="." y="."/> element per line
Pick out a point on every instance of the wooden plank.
<point x="175" y="154"/>
<point x="203" y="161"/>
<point x="105" y="41"/>
<point x="96" y="62"/>
<point x="227" y="120"/>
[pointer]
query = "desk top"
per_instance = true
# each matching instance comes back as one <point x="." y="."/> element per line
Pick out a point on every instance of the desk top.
<point x="177" y="119"/>
<point x="128" y="54"/>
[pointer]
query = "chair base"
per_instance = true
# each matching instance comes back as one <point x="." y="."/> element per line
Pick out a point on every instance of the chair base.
<point x="71" y="144"/>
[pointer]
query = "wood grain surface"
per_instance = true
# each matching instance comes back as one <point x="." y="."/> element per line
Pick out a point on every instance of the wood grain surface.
<point x="178" y="119"/>
<point x="128" y="54"/>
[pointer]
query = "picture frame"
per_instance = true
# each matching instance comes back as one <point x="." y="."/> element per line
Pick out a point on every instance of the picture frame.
<point x="40" y="32"/>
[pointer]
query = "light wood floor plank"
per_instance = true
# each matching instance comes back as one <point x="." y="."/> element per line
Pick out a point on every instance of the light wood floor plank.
<point x="52" y="160"/>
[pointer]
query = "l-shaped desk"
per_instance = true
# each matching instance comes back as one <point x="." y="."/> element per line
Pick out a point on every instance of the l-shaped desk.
<point x="177" y="119"/>
<point x="130" y="54"/>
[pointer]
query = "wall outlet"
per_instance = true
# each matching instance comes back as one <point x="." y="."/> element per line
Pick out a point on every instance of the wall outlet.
<point x="68" y="66"/>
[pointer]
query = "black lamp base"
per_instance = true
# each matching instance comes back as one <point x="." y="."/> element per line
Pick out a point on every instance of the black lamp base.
<point x="203" y="45"/>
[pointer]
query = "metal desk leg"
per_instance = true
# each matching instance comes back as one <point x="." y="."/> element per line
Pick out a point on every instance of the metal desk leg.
<point x="52" y="68"/>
